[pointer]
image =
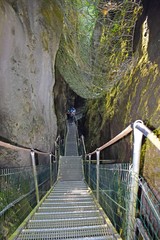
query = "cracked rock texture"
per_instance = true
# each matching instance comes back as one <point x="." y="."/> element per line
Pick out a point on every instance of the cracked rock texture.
<point x="28" y="44"/>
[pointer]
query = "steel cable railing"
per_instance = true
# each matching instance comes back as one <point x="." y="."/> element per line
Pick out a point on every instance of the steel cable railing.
<point x="117" y="188"/>
<point x="21" y="188"/>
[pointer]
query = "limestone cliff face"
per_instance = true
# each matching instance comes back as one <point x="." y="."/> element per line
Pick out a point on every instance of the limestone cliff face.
<point x="29" y="39"/>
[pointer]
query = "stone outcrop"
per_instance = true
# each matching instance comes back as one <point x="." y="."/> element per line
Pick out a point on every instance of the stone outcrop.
<point x="136" y="96"/>
<point x="29" y="38"/>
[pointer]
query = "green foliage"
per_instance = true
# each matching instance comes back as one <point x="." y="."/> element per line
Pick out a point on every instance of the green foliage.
<point x="13" y="218"/>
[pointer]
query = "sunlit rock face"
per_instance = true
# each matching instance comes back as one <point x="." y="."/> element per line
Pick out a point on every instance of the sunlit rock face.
<point x="29" y="39"/>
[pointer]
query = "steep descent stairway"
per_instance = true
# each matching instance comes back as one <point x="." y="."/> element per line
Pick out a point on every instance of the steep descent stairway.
<point x="69" y="211"/>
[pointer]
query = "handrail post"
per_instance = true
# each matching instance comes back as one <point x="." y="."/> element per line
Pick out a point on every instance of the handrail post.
<point x="56" y="156"/>
<point x="35" y="174"/>
<point x="89" y="170"/>
<point x="84" y="155"/>
<point x="134" y="181"/>
<point x="98" y="157"/>
<point x="51" y="170"/>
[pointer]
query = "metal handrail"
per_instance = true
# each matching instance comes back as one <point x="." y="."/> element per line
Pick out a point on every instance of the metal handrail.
<point x="24" y="148"/>
<point x="137" y="124"/>
<point x="148" y="133"/>
<point x="34" y="167"/>
<point x="14" y="147"/>
<point x="139" y="129"/>
<point x="124" y="133"/>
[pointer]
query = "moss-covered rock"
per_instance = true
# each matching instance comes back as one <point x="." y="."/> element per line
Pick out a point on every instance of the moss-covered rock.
<point x="136" y="96"/>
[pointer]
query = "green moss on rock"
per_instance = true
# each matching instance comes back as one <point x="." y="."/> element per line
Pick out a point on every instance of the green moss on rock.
<point x="51" y="13"/>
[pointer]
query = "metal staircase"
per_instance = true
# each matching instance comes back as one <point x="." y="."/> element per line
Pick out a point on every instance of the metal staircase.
<point x="70" y="210"/>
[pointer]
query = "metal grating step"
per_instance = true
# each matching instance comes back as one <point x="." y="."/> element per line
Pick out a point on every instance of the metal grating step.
<point x="75" y="167"/>
<point x="67" y="204"/>
<point x="69" y="222"/>
<point x="61" y="215"/>
<point x="59" y="233"/>
<point x="69" y="196"/>
<point x="67" y="176"/>
<point x="110" y="237"/>
<point x="70" y="168"/>
<point x="70" y="184"/>
<point x="67" y="199"/>
<point x="66" y="209"/>
<point x="73" y="192"/>
<point x="97" y="238"/>
<point x="70" y="187"/>
<point x="73" y="182"/>
<point x="93" y="238"/>
<point x="77" y="186"/>
<point x="72" y="162"/>
<point x="69" y="211"/>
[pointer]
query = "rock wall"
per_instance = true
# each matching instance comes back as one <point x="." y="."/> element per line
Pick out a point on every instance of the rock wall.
<point x="61" y="90"/>
<point x="29" y="38"/>
<point x="136" y="96"/>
